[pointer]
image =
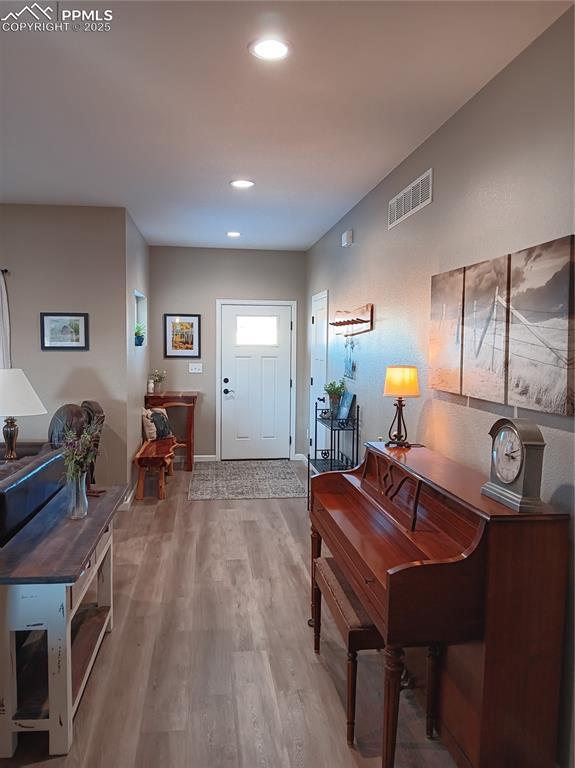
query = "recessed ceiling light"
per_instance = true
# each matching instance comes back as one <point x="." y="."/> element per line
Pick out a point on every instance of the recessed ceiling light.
<point x="242" y="184"/>
<point x="269" y="49"/>
<point x="233" y="234"/>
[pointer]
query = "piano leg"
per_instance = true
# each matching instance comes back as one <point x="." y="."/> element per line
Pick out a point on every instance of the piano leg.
<point x="433" y="652"/>
<point x="393" y="666"/>
<point x="316" y="618"/>
<point x="315" y="553"/>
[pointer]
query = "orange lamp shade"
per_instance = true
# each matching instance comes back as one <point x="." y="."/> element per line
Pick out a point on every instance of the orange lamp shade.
<point x="401" y="381"/>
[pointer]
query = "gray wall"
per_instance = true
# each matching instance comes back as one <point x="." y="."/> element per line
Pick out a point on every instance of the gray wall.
<point x="190" y="280"/>
<point x="502" y="181"/>
<point x="138" y="358"/>
<point x="70" y="259"/>
<point x="79" y="259"/>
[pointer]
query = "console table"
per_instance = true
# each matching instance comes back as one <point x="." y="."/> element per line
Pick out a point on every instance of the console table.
<point x="182" y="400"/>
<point x="46" y="570"/>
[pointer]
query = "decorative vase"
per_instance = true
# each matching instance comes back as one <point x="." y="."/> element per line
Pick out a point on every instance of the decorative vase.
<point x="77" y="498"/>
<point x="158" y="387"/>
<point x="334" y="404"/>
<point x="139" y="340"/>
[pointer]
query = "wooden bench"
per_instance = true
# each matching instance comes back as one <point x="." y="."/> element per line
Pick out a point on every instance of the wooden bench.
<point x="351" y="619"/>
<point x="156" y="456"/>
<point x="360" y="634"/>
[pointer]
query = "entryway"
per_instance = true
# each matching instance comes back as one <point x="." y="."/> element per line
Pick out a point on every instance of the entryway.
<point x="255" y="379"/>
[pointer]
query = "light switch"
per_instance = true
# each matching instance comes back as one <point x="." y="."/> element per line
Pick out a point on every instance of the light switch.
<point x="195" y="368"/>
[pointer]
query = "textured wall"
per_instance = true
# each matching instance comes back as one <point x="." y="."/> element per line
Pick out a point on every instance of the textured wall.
<point x="502" y="181"/>
<point x="70" y="259"/>
<point x="190" y="280"/>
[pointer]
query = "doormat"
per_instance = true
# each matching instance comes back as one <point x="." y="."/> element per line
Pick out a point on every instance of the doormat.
<point x="273" y="479"/>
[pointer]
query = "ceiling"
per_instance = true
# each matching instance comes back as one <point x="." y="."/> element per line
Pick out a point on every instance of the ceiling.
<point x="159" y="113"/>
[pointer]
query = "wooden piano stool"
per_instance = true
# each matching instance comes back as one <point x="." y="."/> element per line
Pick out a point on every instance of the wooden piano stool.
<point x="351" y="619"/>
<point x="359" y="634"/>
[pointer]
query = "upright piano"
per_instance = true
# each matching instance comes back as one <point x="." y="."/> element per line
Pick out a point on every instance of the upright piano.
<point x="438" y="565"/>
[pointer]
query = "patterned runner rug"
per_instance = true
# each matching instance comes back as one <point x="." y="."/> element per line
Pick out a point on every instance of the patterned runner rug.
<point x="272" y="479"/>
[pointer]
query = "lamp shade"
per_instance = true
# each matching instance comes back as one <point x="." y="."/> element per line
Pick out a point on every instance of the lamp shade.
<point x="401" y="381"/>
<point x="17" y="396"/>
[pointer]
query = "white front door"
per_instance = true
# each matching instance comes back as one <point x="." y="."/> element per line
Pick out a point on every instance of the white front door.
<point x="255" y="385"/>
<point x="318" y="365"/>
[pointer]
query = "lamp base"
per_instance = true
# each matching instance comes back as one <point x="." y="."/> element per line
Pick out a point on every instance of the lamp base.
<point x="397" y="444"/>
<point x="10" y="432"/>
<point x="398" y="430"/>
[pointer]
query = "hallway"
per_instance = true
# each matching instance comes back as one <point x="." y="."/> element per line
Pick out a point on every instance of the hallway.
<point x="210" y="664"/>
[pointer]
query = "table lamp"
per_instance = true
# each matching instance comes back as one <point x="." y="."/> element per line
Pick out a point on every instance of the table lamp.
<point x="400" y="382"/>
<point x="17" y="398"/>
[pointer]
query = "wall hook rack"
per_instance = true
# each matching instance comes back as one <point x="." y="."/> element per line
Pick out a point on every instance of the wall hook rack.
<point x="355" y="321"/>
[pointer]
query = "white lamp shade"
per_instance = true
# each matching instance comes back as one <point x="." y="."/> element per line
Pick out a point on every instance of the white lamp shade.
<point x="17" y="396"/>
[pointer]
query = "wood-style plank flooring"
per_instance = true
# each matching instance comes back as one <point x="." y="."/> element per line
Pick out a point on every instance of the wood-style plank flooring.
<point x="211" y="663"/>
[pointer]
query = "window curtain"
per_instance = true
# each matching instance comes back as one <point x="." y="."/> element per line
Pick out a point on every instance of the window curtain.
<point x="5" y="361"/>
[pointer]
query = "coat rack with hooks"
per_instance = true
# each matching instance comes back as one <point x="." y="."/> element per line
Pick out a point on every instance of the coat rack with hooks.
<point x="355" y="321"/>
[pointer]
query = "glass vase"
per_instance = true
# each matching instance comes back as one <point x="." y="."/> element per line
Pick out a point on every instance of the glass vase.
<point x="77" y="498"/>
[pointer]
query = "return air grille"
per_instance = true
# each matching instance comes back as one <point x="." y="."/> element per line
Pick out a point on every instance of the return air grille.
<point x="415" y="196"/>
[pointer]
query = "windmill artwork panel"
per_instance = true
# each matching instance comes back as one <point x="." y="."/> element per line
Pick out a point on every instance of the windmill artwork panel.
<point x="485" y="327"/>
<point x="446" y="331"/>
<point x="540" y="336"/>
<point x="516" y="327"/>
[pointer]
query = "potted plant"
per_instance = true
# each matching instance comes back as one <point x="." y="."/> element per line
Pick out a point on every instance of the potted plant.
<point x="334" y="390"/>
<point x="139" y="334"/>
<point x="79" y="451"/>
<point x="158" y="377"/>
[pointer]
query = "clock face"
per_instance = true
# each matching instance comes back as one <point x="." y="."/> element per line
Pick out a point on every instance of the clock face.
<point x="507" y="454"/>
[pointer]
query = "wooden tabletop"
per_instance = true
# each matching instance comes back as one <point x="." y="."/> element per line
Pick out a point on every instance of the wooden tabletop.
<point x="51" y="548"/>
<point x="176" y="395"/>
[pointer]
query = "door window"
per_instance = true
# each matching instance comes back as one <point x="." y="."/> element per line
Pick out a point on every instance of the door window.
<point x="256" y="331"/>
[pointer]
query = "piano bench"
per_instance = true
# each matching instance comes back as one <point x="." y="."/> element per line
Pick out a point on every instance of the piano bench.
<point x="357" y="629"/>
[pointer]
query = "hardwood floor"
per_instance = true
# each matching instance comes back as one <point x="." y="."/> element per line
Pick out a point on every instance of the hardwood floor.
<point x="211" y="663"/>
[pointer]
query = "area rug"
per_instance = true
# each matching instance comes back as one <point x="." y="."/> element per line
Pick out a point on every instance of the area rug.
<point x="275" y="479"/>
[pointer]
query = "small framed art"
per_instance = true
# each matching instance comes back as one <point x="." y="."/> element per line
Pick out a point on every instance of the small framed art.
<point x="182" y="335"/>
<point x="64" y="331"/>
<point x="346" y="406"/>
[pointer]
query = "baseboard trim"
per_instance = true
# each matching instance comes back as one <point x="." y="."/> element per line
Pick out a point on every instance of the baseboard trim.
<point x="205" y="457"/>
<point x="300" y="457"/>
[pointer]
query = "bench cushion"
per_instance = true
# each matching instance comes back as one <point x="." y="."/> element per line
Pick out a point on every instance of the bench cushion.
<point x="342" y="594"/>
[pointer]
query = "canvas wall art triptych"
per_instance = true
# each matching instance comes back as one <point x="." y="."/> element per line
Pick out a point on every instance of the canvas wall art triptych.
<point x="503" y="330"/>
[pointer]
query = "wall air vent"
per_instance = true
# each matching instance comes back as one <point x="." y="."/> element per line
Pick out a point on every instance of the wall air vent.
<point x="415" y="196"/>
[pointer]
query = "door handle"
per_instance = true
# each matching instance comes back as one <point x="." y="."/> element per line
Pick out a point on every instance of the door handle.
<point x="321" y="399"/>
<point x="228" y="391"/>
<point x="226" y="380"/>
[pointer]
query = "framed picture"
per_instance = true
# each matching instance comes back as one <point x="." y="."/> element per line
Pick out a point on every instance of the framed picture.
<point x="345" y="406"/>
<point x="64" y="331"/>
<point x="182" y="335"/>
